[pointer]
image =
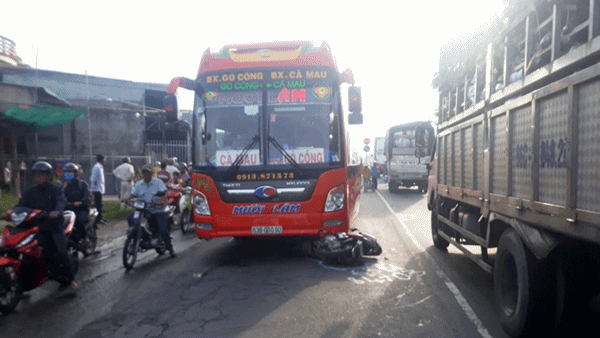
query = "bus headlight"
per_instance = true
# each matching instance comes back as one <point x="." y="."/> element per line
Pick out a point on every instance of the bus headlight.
<point x="335" y="198"/>
<point x="201" y="205"/>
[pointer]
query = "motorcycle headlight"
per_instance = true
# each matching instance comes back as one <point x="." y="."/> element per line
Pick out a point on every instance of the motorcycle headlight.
<point x="201" y="205"/>
<point x="26" y="241"/>
<point x="138" y="205"/>
<point x="335" y="198"/>
<point x="18" y="218"/>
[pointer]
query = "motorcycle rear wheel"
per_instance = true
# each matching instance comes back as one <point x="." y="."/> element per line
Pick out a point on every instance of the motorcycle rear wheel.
<point x="130" y="251"/>
<point x="10" y="290"/>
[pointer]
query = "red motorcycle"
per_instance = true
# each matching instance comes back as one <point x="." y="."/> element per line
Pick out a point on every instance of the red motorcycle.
<point x="22" y="265"/>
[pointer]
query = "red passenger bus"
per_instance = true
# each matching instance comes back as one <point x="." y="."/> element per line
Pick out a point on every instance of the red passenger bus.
<point x="270" y="147"/>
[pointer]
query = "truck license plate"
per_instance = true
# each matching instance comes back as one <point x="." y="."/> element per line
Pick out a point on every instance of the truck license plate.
<point x="267" y="230"/>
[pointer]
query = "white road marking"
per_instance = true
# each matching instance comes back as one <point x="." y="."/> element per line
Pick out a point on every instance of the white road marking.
<point x="412" y="304"/>
<point x="462" y="301"/>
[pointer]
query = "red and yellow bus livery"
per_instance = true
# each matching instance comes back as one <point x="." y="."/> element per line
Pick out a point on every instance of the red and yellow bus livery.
<point x="270" y="146"/>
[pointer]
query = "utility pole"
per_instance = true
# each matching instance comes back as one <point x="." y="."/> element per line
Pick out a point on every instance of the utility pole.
<point x="87" y="86"/>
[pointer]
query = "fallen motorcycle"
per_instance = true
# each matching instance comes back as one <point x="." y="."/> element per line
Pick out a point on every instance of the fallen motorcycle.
<point x="22" y="264"/>
<point x="345" y="248"/>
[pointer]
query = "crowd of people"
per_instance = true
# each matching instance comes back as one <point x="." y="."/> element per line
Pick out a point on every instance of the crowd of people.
<point x="74" y="194"/>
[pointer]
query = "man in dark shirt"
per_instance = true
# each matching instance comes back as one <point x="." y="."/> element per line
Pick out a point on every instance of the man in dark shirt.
<point x="49" y="197"/>
<point x="77" y="194"/>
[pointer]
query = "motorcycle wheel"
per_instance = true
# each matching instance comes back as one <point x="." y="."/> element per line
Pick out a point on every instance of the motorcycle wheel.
<point x="130" y="251"/>
<point x="161" y="248"/>
<point x="10" y="290"/>
<point x="91" y="241"/>
<point x="185" y="221"/>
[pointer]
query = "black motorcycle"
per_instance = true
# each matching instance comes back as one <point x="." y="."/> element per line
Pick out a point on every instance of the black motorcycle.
<point x="87" y="245"/>
<point x="141" y="236"/>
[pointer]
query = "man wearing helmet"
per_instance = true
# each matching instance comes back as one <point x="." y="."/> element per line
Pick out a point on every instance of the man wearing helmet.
<point x="49" y="197"/>
<point x="77" y="194"/>
<point x="145" y="190"/>
<point x="125" y="174"/>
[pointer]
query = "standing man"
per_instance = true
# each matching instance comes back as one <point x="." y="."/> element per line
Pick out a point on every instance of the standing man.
<point x="125" y="173"/>
<point x="97" y="187"/>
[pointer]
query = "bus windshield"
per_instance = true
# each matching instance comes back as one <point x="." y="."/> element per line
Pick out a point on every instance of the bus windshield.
<point x="271" y="123"/>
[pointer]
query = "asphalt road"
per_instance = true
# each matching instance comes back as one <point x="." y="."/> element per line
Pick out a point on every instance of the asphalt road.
<point x="255" y="288"/>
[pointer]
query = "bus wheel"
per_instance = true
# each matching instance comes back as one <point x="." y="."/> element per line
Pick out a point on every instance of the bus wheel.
<point x="519" y="289"/>
<point x="438" y="240"/>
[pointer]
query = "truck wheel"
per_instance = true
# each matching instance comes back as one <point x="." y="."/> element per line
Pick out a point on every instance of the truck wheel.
<point x="438" y="240"/>
<point x="393" y="186"/>
<point x="519" y="292"/>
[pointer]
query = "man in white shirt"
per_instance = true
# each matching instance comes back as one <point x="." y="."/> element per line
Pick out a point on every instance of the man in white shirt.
<point x="125" y="173"/>
<point x="97" y="187"/>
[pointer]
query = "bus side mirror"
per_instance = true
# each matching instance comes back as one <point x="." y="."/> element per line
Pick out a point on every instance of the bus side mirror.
<point x="171" y="100"/>
<point x="355" y="118"/>
<point x="171" y="107"/>
<point x="355" y="100"/>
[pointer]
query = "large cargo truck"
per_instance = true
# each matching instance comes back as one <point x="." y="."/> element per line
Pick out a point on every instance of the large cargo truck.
<point x="378" y="150"/>
<point x="517" y="162"/>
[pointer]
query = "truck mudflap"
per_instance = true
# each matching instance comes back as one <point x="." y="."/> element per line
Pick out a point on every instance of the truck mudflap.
<point x="346" y="247"/>
<point x="540" y="242"/>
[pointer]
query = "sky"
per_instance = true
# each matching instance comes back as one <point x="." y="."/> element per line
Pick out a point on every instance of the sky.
<point x="392" y="47"/>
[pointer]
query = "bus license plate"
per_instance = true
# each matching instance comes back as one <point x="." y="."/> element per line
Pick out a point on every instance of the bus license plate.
<point x="267" y="230"/>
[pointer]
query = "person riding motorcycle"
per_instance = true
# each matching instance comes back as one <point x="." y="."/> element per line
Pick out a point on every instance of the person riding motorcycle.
<point x="50" y="198"/>
<point x="145" y="190"/>
<point x="77" y="194"/>
<point x="184" y="175"/>
<point x="374" y="175"/>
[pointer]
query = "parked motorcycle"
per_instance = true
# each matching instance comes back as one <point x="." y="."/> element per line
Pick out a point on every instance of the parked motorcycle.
<point x="141" y="237"/>
<point x="186" y="220"/>
<point x="22" y="264"/>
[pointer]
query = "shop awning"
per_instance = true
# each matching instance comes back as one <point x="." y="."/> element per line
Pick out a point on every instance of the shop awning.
<point x="43" y="115"/>
<point x="50" y="109"/>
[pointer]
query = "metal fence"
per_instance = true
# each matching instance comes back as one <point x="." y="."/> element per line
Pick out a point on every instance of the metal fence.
<point x="168" y="149"/>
